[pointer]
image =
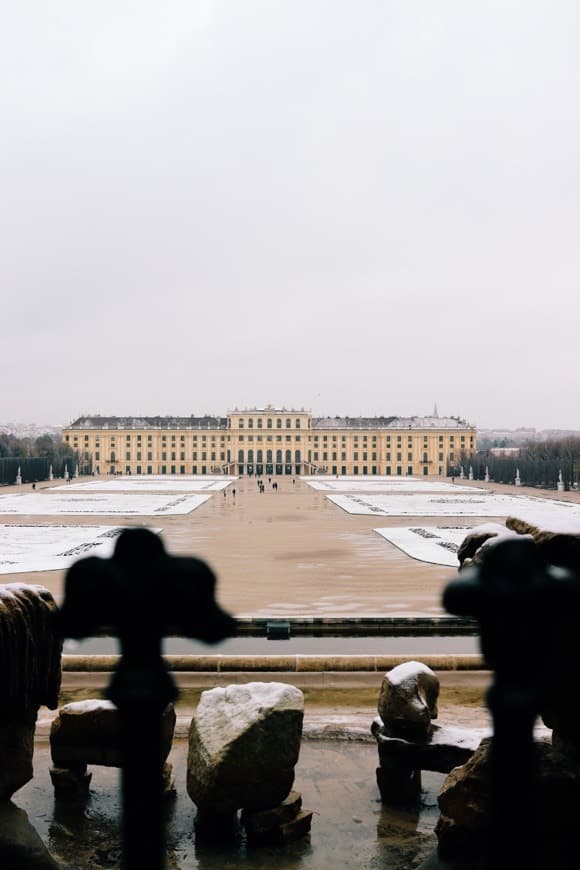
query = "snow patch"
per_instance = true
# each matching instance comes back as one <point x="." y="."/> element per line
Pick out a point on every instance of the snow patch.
<point x="53" y="548"/>
<point x="437" y="545"/>
<point x="388" y="484"/>
<point x="536" y="510"/>
<point x="143" y="504"/>
<point x="150" y="483"/>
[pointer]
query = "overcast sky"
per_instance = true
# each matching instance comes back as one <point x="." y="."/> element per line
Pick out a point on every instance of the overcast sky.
<point x="356" y="207"/>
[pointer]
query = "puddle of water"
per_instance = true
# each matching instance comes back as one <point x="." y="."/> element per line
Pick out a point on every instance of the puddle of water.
<point x="350" y="827"/>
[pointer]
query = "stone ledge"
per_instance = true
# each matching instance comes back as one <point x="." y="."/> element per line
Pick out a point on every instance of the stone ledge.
<point x="287" y="664"/>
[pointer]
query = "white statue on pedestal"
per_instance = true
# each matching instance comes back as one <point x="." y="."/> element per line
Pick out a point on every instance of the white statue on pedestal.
<point x="470" y="473"/>
<point x="518" y="481"/>
<point x="486" y="478"/>
<point x="50" y="473"/>
<point x="560" y="482"/>
<point x="66" y="474"/>
<point x="18" y="477"/>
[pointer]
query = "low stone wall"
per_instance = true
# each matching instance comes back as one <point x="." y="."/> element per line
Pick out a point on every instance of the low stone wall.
<point x="282" y="663"/>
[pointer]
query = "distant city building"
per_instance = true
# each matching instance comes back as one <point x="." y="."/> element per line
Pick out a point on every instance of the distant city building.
<point x="271" y="441"/>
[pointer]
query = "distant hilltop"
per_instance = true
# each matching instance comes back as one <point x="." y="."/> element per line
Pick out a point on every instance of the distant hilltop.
<point x="29" y="430"/>
<point x="515" y="437"/>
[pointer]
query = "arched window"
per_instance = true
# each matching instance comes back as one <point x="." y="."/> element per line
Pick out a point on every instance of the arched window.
<point x="297" y="456"/>
<point x="298" y="422"/>
<point x="268" y="456"/>
<point x="278" y="456"/>
<point x="278" y="423"/>
<point x="259" y="422"/>
<point x="250" y="455"/>
<point x="240" y="455"/>
<point x="259" y="456"/>
<point x="269" y="423"/>
<point x="288" y="424"/>
<point x="288" y="456"/>
<point x="241" y="423"/>
<point x="250" y="423"/>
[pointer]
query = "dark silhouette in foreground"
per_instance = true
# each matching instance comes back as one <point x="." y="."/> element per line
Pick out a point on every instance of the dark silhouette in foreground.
<point x="141" y="595"/>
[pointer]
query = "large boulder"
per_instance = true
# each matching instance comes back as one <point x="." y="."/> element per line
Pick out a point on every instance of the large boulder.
<point x="464" y="802"/>
<point x="16" y="752"/>
<point x="30" y="675"/>
<point x="88" y="732"/>
<point x="244" y="742"/>
<point x="20" y="845"/>
<point x="475" y="544"/>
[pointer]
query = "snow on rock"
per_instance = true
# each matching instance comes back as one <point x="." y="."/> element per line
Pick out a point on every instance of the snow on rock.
<point x="546" y="524"/>
<point x="408" y="700"/>
<point x="481" y="538"/>
<point x="244" y="742"/>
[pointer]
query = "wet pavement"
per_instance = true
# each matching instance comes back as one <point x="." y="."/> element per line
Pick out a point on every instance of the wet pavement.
<point x="350" y="827"/>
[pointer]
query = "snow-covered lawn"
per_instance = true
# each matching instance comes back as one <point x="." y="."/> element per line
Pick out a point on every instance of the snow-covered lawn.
<point x="142" y="504"/>
<point x="458" y="505"/>
<point x="52" y="548"/>
<point x="386" y="484"/>
<point x="149" y="483"/>
<point x="437" y="545"/>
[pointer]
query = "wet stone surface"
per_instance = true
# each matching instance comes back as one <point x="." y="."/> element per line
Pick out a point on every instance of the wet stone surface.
<point x="350" y="828"/>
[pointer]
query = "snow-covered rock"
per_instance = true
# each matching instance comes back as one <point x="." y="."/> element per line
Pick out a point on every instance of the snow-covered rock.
<point x="408" y="700"/>
<point x="244" y="742"/>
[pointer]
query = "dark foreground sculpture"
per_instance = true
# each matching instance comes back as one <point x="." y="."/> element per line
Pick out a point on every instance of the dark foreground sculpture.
<point x="528" y="612"/>
<point x="141" y="595"/>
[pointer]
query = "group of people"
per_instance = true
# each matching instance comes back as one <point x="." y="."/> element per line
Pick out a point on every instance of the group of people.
<point x="262" y="485"/>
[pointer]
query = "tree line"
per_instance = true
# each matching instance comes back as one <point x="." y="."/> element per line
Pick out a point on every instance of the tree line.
<point x="539" y="464"/>
<point x="34" y="456"/>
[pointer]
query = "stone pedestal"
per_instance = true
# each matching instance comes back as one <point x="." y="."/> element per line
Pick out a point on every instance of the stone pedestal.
<point x="288" y="821"/>
<point x="398" y="783"/>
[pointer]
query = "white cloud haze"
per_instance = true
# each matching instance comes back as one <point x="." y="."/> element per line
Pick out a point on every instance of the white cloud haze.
<point x="352" y="207"/>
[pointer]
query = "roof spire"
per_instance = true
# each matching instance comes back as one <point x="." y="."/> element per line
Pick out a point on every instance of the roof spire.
<point x="435" y="414"/>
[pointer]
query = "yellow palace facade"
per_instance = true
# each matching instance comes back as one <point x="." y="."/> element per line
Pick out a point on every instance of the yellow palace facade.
<point x="270" y="441"/>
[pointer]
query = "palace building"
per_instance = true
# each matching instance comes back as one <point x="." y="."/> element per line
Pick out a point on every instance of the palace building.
<point x="270" y="441"/>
